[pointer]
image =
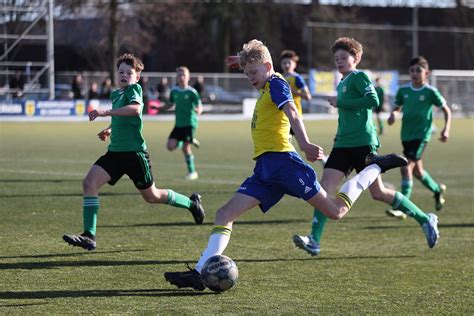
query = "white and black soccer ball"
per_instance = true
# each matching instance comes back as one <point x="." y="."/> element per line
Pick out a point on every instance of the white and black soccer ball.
<point x="219" y="273"/>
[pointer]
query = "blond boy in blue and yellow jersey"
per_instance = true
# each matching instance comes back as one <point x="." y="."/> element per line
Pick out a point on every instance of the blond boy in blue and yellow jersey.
<point x="279" y="169"/>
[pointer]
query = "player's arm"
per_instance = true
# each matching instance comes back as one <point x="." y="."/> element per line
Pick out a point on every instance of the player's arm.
<point x="393" y="114"/>
<point x="133" y="109"/>
<point x="303" y="90"/>
<point x="447" y="123"/>
<point x="313" y="152"/>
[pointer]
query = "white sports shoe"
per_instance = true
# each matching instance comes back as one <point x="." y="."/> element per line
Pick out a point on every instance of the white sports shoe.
<point x="430" y="228"/>
<point x="192" y="176"/>
<point x="396" y="213"/>
<point x="308" y="244"/>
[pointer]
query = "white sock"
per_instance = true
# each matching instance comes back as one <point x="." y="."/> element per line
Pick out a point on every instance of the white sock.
<point x="360" y="182"/>
<point x="216" y="246"/>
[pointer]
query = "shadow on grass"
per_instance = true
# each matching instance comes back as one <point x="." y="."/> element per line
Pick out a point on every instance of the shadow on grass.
<point x="66" y="194"/>
<point x="114" y="263"/>
<point x="99" y="293"/>
<point x="82" y="253"/>
<point x="460" y="225"/>
<point x="237" y="223"/>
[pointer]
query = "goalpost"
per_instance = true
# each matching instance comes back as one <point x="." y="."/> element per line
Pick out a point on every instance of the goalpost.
<point x="457" y="87"/>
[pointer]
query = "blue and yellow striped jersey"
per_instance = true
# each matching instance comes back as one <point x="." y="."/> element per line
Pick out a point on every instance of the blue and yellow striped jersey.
<point x="297" y="83"/>
<point x="270" y="125"/>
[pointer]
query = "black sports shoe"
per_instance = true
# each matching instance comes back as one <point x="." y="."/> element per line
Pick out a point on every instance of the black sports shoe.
<point x="386" y="162"/>
<point x="196" y="208"/>
<point x="439" y="199"/>
<point x="84" y="240"/>
<point x="196" y="142"/>
<point x="190" y="278"/>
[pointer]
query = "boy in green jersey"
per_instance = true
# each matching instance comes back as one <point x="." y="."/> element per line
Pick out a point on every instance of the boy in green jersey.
<point x="356" y="138"/>
<point x="187" y="108"/>
<point x="126" y="155"/>
<point x="416" y="100"/>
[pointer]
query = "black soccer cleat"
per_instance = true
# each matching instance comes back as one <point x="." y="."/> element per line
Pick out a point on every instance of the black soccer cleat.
<point x="196" y="208"/>
<point x="439" y="199"/>
<point x="84" y="240"/>
<point x="386" y="162"/>
<point x="190" y="278"/>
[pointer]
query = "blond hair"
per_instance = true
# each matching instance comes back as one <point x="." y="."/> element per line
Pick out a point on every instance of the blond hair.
<point x="254" y="52"/>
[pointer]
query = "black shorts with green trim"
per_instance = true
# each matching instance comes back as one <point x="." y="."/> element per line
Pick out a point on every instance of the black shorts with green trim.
<point x="136" y="165"/>
<point x="349" y="158"/>
<point x="413" y="149"/>
<point x="185" y="134"/>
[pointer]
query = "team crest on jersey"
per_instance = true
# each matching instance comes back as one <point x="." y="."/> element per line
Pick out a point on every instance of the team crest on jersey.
<point x="405" y="96"/>
<point x="422" y="98"/>
<point x="186" y="97"/>
<point x="344" y="88"/>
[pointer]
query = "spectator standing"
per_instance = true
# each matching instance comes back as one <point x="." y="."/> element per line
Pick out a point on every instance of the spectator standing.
<point x="77" y="87"/>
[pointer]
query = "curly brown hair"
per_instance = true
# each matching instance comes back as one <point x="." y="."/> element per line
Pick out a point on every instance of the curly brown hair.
<point x="350" y="45"/>
<point x="132" y="61"/>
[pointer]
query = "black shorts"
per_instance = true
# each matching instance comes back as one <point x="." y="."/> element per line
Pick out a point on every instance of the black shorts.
<point x="347" y="159"/>
<point x="378" y="109"/>
<point x="185" y="134"/>
<point x="413" y="149"/>
<point x="136" y="165"/>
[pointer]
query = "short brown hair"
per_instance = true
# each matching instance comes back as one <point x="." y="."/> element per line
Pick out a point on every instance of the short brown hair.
<point x="184" y="69"/>
<point x="420" y="60"/>
<point x="254" y="52"/>
<point x="287" y="53"/>
<point x="132" y="61"/>
<point x="350" y="45"/>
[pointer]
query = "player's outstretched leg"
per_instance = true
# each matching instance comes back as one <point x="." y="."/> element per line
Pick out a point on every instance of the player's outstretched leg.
<point x="430" y="228"/>
<point x="196" y="208"/>
<point x="85" y="240"/>
<point x="386" y="162"/>
<point x="191" y="279"/>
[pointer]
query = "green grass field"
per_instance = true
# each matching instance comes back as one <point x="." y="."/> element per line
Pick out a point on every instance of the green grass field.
<point x="370" y="263"/>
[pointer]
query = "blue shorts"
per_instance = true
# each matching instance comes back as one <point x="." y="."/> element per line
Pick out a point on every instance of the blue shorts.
<point x="276" y="174"/>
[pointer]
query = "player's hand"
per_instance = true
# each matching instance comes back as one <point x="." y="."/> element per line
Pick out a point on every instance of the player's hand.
<point x="232" y="62"/>
<point x="391" y="119"/>
<point x="333" y="101"/>
<point x="104" y="134"/>
<point x="313" y="152"/>
<point x="95" y="114"/>
<point x="444" y="136"/>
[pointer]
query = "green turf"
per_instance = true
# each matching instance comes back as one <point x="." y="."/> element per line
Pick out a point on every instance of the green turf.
<point x="370" y="263"/>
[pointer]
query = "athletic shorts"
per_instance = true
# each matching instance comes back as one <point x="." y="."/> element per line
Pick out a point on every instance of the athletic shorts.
<point x="349" y="158"/>
<point x="276" y="174"/>
<point x="185" y="134"/>
<point x="377" y="109"/>
<point x="413" y="149"/>
<point x="136" y="165"/>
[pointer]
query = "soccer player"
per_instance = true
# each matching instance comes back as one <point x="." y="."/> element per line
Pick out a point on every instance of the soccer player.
<point x="381" y="95"/>
<point x="416" y="100"/>
<point x="299" y="89"/>
<point x="279" y="169"/>
<point x="356" y="138"/>
<point x="187" y="108"/>
<point x="126" y="155"/>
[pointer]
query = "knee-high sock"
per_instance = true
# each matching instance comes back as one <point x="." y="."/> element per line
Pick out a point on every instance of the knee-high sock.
<point x="178" y="200"/>
<point x="190" y="162"/>
<point x="218" y="241"/>
<point x="407" y="186"/>
<point x="317" y="227"/>
<point x="429" y="182"/>
<point x="352" y="188"/>
<point x="400" y="202"/>
<point x="90" y="208"/>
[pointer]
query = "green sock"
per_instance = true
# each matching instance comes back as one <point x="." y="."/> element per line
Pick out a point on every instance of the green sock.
<point x="428" y="182"/>
<point x="90" y="208"/>
<point x="317" y="228"/>
<point x="180" y="144"/>
<point x="178" y="200"/>
<point x="407" y="186"/>
<point x="381" y="126"/>
<point x="400" y="202"/>
<point x="190" y="162"/>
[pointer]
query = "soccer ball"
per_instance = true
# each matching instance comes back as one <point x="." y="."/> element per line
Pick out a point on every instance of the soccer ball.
<point x="219" y="273"/>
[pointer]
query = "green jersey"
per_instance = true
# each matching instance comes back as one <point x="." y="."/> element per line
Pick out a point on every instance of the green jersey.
<point x="356" y="97"/>
<point x="417" y="110"/>
<point x="127" y="130"/>
<point x="381" y="96"/>
<point x="186" y="101"/>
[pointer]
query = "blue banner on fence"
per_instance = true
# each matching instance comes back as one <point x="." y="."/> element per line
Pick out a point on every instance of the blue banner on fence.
<point x="47" y="108"/>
